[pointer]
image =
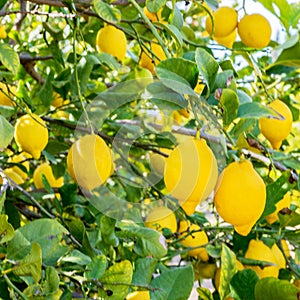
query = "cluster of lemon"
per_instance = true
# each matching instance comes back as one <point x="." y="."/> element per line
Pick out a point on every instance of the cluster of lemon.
<point x="254" y="30"/>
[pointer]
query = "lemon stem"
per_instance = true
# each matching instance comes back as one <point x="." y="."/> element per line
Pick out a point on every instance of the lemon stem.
<point x="151" y="26"/>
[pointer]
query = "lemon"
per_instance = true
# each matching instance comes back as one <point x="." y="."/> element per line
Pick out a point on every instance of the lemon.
<point x="259" y="251"/>
<point x="89" y="161"/>
<point x="31" y="134"/>
<point x="161" y="217"/>
<point x="240" y="196"/>
<point x="20" y="158"/>
<point x="191" y="173"/>
<point x="195" y="239"/>
<point x="199" y="87"/>
<point x="46" y="170"/>
<point x="58" y="100"/>
<point x="112" y="40"/>
<point x="225" y="21"/>
<point x="149" y="61"/>
<point x="9" y="172"/>
<point x="4" y="91"/>
<point x="276" y="130"/>
<point x="284" y="202"/>
<point x="152" y="16"/>
<point x="204" y="270"/>
<point x="3" y="33"/>
<point x="139" y="295"/>
<point x="255" y="31"/>
<point x="227" y="40"/>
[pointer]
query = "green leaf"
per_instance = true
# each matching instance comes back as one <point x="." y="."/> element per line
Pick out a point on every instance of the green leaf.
<point x="148" y="241"/>
<point x="96" y="268"/>
<point x="185" y="69"/>
<point x="9" y="58"/>
<point x="6" y="230"/>
<point x="169" y="285"/>
<point x="51" y="283"/>
<point x="120" y="273"/>
<point x="106" y="12"/>
<point x="243" y="284"/>
<point x="143" y="270"/>
<point x="292" y="219"/>
<point x="45" y="94"/>
<point x="46" y="232"/>
<point x="7" y="132"/>
<point x="207" y="66"/>
<point x="2" y="199"/>
<point x="275" y="289"/>
<point x="107" y="227"/>
<point x="77" y="257"/>
<point x="243" y="97"/>
<point x="254" y="110"/>
<point x="228" y="269"/>
<point x="31" y="264"/>
<point x="154" y="5"/>
<point x="229" y="102"/>
<point x="290" y="56"/>
<point x="205" y="293"/>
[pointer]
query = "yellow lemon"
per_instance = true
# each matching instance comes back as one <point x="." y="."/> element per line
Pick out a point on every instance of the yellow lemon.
<point x="259" y="251"/>
<point x="22" y="159"/>
<point x="199" y="87"/>
<point x="46" y="170"/>
<point x="58" y="100"/>
<point x="113" y="41"/>
<point x="139" y="295"/>
<point x="191" y="173"/>
<point x="152" y="16"/>
<point x="276" y="130"/>
<point x="149" y="61"/>
<point x="3" y="33"/>
<point x="89" y="161"/>
<point x="227" y="40"/>
<point x="161" y="217"/>
<point x="4" y="91"/>
<point x="284" y="202"/>
<point x="9" y="172"/>
<point x="240" y="196"/>
<point x="225" y="21"/>
<point x="31" y="134"/>
<point x="195" y="239"/>
<point x="255" y="31"/>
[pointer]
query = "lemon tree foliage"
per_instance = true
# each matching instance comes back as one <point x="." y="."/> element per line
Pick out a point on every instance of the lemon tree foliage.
<point x="149" y="150"/>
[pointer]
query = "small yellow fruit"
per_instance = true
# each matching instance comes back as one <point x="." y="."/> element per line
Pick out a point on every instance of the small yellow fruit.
<point x="58" y="100"/>
<point x="195" y="239"/>
<point x="149" y="61"/>
<point x="259" y="251"/>
<point x="161" y="217"/>
<point x="227" y="40"/>
<point x="240" y="196"/>
<point x="276" y="130"/>
<point x="152" y="16"/>
<point x="284" y="202"/>
<point x="255" y="31"/>
<point x="31" y="134"/>
<point x="46" y="170"/>
<point x="225" y="21"/>
<point x="89" y="161"/>
<point x="191" y="173"/>
<point x="3" y="33"/>
<point x="14" y="176"/>
<point x="4" y="91"/>
<point x="113" y="41"/>
<point x="139" y="295"/>
<point x="20" y="158"/>
<point x="199" y="87"/>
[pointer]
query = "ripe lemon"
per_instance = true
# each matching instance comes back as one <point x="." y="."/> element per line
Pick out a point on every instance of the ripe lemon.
<point x="259" y="251"/>
<point x="161" y="217"/>
<point x="3" y="33"/>
<point x="4" y="91"/>
<point x="240" y="196"/>
<point x="20" y="158"/>
<point x="194" y="239"/>
<point x="139" y="295"/>
<point x="225" y="21"/>
<point x="204" y="270"/>
<point x="227" y="40"/>
<point x="284" y="202"/>
<point x="58" y="100"/>
<point x="276" y="130"/>
<point x="112" y="40"/>
<point x="152" y="16"/>
<point x="255" y="31"/>
<point x="9" y="172"/>
<point x="149" y="61"/>
<point x="89" y="161"/>
<point x="46" y="170"/>
<point x="31" y="134"/>
<point x="191" y="173"/>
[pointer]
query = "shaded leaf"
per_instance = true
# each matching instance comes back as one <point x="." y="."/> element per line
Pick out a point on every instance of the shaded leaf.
<point x="7" y="132"/>
<point x="154" y="5"/>
<point x="6" y="229"/>
<point x="51" y="283"/>
<point x="229" y="102"/>
<point x="96" y="268"/>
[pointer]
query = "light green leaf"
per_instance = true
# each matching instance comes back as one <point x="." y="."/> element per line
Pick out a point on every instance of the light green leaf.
<point x="117" y="279"/>
<point x="254" y="110"/>
<point x="6" y="229"/>
<point x="243" y="97"/>
<point x="290" y="56"/>
<point x="7" y="132"/>
<point x="106" y="12"/>
<point x="275" y="289"/>
<point x="51" y="283"/>
<point x="205" y="293"/>
<point x="96" y="268"/>
<point x="31" y="264"/>
<point x="77" y="257"/>
<point x="169" y="285"/>
<point x="154" y="5"/>
<point x="143" y="271"/>
<point x="9" y="58"/>
<point x="107" y="227"/>
<point x="175" y="34"/>
<point x="229" y="102"/>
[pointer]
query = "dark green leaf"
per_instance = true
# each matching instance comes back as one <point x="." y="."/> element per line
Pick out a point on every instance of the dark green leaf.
<point x="154" y="5"/>
<point x="96" y="268"/>
<point x="106" y="12"/>
<point x="9" y="58"/>
<point x="78" y="258"/>
<point x="254" y="110"/>
<point x="229" y="102"/>
<point x="107" y="227"/>
<point x="7" y="132"/>
<point x="51" y="283"/>
<point x="143" y="270"/>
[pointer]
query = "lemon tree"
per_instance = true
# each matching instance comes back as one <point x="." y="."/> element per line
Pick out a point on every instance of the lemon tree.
<point x="149" y="150"/>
